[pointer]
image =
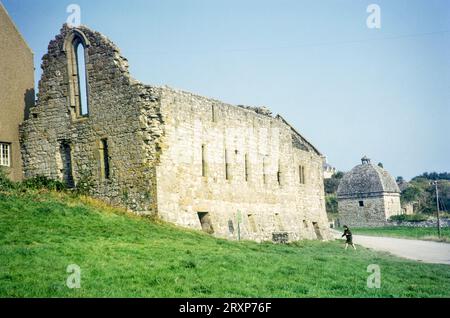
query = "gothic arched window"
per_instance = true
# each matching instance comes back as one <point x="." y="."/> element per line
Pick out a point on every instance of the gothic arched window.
<point x="77" y="58"/>
<point x="82" y="78"/>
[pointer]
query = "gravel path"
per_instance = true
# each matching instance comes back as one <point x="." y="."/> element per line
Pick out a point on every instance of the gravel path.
<point x="423" y="251"/>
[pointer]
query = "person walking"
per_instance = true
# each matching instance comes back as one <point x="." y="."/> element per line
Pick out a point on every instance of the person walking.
<point x="349" y="237"/>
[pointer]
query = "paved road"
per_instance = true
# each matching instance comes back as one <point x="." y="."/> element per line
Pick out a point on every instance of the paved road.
<point x="424" y="251"/>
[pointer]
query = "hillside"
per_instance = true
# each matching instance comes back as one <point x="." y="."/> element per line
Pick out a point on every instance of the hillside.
<point x="122" y="255"/>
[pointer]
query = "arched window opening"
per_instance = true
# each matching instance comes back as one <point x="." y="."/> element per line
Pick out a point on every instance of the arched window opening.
<point x="80" y="56"/>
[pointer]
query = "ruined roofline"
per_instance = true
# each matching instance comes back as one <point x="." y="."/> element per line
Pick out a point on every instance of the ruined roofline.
<point x="16" y="28"/>
<point x="260" y="111"/>
<point x="300" y="136"/>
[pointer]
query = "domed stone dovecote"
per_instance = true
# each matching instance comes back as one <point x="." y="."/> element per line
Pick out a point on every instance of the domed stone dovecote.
<point x="367" y="196"/>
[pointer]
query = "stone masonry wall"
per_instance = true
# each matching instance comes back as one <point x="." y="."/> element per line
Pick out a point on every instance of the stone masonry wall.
<point x="120" y="109"/>
<point x="392" y="204"/>
<point x="375" y="212"/>
<point x="16" y="89"/>
<point x="191" y="160"/>
<point x="242" y="135"/>
<point x="353" y="215"/>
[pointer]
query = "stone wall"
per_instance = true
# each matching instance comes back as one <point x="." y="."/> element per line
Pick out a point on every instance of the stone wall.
<point x="258" y="149"/>
<point x="191" y="160"/>
<point x="432" y="222"/>
<point x="375" y="212"/>
<point x="408" y="208"/>
<point x="392" y="204"/>
<point x="353" y="215"/>
<point x="121" y="110"/>
<point x="16" y="89"/>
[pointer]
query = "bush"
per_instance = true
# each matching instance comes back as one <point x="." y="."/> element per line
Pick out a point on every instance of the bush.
<point x="331" y="203"/>
<point x="409" y="218"/>
<point x="5" y="183"/>
<point x="85" y="184"/>
<point x="411" y="194"/>
<point x="42" y="182"/>
<point x="331" y="185"/>
<point x="36" y="183"/>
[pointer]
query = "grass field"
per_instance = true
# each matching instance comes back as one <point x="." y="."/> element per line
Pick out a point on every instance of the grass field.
<point x="121" y="255"/>
<point x="406" y="232"/>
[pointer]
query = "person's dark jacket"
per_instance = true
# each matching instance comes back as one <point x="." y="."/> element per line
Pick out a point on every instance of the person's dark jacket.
<point x="348" y="235"/>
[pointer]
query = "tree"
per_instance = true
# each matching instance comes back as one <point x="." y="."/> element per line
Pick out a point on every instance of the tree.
<point x="422" y="192"/>
<point x="331" y="203"/>
<point x="411" y="194"/>
<point x="444" y="196"/>
<point x="400" y="180"/>
<point x="331" y="185"/>
<point x="434" y="176"/>
<point x="339" y="175"/>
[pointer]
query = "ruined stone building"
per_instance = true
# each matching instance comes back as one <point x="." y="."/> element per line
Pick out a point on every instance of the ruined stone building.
<point x="188" y="159"/>
<point x="328" y="170"/>
<point x="367" y="196"/>
<point x="16" y="92"/>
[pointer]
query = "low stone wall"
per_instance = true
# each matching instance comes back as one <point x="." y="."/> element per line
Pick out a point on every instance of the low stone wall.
<point x="429" y="223"/>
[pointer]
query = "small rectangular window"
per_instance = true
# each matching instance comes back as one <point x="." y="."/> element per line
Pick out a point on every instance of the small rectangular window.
<point x="104" y="157"/>
<point x="279" y="174"/>
<point x="246" y="168"/>
<point x="361" y="203"/>
<point x="5" y="154"/>
<point x="300" y="179"/>
<point x="213" y="114"/>
<point x="227" y="166"/>
<point x="264" y="171"/>
<point x="301" y="174"/>
<point x="203" y="161"/>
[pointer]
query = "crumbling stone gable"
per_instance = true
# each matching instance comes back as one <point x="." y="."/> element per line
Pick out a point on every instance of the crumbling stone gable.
<point x="121" y="110"/>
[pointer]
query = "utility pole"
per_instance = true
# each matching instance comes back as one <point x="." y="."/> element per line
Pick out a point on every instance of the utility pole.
<point x="437" y="206"/>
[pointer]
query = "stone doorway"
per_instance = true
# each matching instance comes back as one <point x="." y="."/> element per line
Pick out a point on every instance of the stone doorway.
<point x="205" y="222"/>
<point x="66" y="159"/>
<point x="317" y="231"/>
<point x="252" y="223"/>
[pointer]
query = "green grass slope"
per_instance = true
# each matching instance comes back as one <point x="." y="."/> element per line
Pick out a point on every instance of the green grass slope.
<point x="121" y="255"/>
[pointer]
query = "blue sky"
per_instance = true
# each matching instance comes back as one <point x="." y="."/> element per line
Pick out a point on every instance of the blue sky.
<point x="350" y="90"/>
